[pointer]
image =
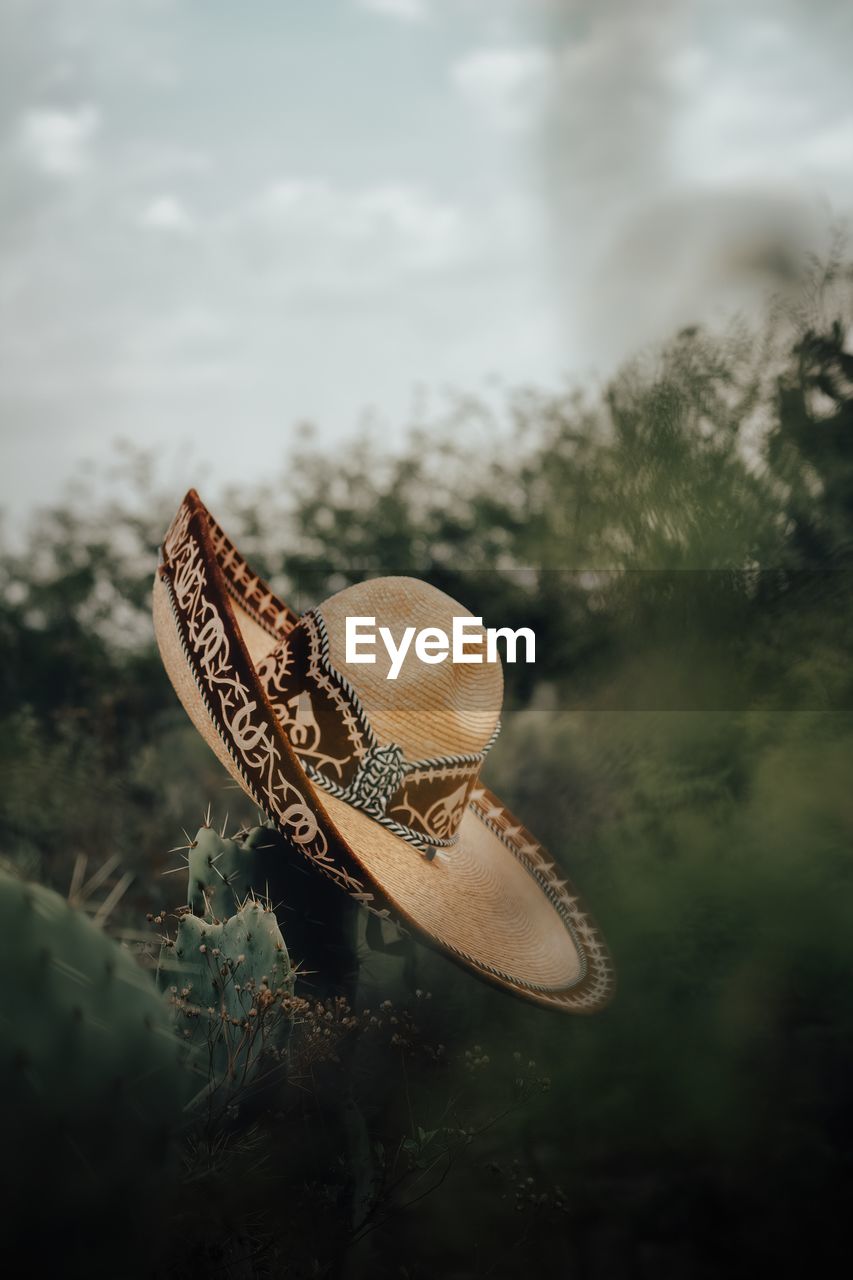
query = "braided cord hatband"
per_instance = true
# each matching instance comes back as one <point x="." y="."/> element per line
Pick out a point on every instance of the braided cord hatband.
<point x="383" y="768"/>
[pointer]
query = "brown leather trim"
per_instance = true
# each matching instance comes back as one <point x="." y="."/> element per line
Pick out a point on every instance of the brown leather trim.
<point x="246" y="721"/>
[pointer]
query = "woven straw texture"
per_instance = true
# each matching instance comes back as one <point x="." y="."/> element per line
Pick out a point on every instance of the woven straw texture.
<point x="495" y="902"/>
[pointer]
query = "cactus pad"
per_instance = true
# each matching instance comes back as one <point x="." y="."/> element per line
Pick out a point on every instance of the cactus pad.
<point x="222" y="872"/>
<point x="230" y="981"/>
<point x="92" y="1077"/>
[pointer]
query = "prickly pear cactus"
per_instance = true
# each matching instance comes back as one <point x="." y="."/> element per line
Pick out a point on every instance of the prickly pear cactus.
<point x="230" y="982"/>
<point x="93" y="1079"/>
<point x="222" y="872"/>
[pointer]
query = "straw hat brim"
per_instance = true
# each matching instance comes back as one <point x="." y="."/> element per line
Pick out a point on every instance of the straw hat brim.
<point x="498" y="903"/>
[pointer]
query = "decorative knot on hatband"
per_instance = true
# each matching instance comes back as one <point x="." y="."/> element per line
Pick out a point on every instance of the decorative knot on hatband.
<point x="422" y="801"/>
<point x="380" y="776"/>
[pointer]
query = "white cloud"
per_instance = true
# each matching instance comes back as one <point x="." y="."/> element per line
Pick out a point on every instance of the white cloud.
<point x="507" y="85"/>
<point x="167" y="213"/>
<point x="295" y="195"/>
<point x="351" y="234"/>
<point x="57" y="142"/>
<point x="405" y="10"/>
<point x="427" y="228"/>
<point x="744" y="116"/>
<point x="159" y="161"/>
<point x="831" y="147"/>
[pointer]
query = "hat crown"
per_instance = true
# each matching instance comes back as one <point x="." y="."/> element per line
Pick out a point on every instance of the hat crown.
<point x="401" y="738"/>
<point x="429" y="709"/>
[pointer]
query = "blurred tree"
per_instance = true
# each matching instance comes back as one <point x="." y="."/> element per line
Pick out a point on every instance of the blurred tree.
<point x="681" y="542"/>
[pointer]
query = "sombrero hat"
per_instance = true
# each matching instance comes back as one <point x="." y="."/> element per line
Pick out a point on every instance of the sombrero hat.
<point x="376" y="782"/>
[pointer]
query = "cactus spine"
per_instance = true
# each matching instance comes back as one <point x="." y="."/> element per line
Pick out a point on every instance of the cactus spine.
<point x="222" y="872"/>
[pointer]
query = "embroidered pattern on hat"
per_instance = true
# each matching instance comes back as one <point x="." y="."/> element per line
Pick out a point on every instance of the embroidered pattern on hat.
<point x="243" y="723"/>
<point x="423" y="801"/>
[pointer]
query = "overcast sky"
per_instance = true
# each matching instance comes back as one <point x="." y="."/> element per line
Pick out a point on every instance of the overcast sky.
<point x="220" y="218"/>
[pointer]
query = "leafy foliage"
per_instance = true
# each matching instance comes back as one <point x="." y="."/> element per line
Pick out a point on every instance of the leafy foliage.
<point x="682" y="543"/>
